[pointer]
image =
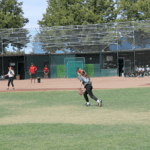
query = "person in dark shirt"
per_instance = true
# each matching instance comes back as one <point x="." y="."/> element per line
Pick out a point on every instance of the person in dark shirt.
<point x="88" y="86"/>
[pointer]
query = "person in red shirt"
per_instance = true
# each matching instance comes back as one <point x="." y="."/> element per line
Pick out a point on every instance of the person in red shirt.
<point x="32" y="71"/>
<point x="46" y="71"/>
<point x="79" y="71"/>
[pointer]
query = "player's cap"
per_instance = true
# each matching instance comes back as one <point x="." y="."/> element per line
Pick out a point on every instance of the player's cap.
<point x="146" y="65"/>
<point x="31" y="63"/>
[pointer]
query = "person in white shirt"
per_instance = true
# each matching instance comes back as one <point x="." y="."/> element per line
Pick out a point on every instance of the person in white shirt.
<point x="140" y="70"/>
<point x="147" y="70"/>
<point x="10" y="74"/>
<point x="143" y="69"/>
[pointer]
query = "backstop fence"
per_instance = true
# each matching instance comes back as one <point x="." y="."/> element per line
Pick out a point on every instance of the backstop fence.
<point x="100" y="49"/>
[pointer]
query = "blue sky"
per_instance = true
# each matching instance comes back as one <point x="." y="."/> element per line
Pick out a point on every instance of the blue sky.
<point x="33" y="10"/>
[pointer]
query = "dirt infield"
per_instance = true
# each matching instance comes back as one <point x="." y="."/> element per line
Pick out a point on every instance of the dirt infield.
<point x="74" y="84"/>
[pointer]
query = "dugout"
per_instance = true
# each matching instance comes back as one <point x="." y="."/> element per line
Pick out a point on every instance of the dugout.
<point x="108" y="63"/>
<point x="100" y="64"/>
<point x="126" y="62"/>
<point x="142" y="58"/>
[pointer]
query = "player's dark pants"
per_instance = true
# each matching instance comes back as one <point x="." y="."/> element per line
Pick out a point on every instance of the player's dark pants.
<point x="89" y="91"/>
<point x="33" y="76"/>
<point x="10" y="81"/>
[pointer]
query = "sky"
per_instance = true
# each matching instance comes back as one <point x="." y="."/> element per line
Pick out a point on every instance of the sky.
<point x="33" y="10"/>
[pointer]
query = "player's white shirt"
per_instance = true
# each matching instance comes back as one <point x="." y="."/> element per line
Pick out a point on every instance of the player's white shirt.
<point x="140" y="69"/>
<point x="148" y="69"/>
<point x="143" y="69"/>
<point x="11" y="75"/>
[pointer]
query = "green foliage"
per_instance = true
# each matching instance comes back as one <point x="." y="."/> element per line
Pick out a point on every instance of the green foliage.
<point x="11" y="14"/>
<point x="78" y="12"/>
<point x="89" y="69"/>
<point x="133" y="10"/>
<point x="14" y="52"/>
<point x="60" y="71"/>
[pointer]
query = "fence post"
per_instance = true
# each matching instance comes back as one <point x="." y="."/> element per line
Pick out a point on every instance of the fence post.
<point x="24" y="65"/>
<point x="2" y="59"/>
<point x="100" y="62"/>
<point x="134" y="44"/>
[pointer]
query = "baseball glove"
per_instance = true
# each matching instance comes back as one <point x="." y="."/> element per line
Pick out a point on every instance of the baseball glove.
<point x="81" y="91"/>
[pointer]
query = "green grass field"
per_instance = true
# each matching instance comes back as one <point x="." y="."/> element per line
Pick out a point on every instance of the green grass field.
<point x="60" y="121"/>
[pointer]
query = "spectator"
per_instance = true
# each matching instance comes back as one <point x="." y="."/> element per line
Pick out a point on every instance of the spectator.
<point x="147" y="70"/>
<point x="32" y="71"/>
<point x="140" y="70"/>
<point x="46" y="71"/>
<point x="136" y="70"/>
<point x="143" y="70"/>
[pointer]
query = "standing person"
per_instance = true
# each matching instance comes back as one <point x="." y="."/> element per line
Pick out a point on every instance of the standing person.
<point x="32" y="71"/>
<point x="10" y="74"/>
<point x="46" y="71"/>
<point x="88" y="86"/>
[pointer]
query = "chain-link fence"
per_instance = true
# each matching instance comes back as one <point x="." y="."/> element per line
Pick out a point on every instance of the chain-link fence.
<point x="108" y="47"/>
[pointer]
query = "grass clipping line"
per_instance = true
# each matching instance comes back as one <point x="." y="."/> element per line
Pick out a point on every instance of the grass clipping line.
<point x="77" y="115"/>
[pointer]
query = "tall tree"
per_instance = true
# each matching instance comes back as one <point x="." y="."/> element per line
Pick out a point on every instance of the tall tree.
<point x="100" y="11"/>
<point x="133" y="10"/>
<point x="74" y="12"/>
<point x="78" y="12"/>
<point x="11" y="16"/>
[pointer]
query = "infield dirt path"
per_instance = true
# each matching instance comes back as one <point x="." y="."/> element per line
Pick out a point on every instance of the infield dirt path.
<point x="74" y="84"/>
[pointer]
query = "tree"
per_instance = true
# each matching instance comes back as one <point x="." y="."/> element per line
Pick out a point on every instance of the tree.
<point x="78" y="12"/>
<point x="100" y="11"/>
<point x="11" y="16"/>
<point x="74" y="13"/>
<point x="133" y="10"/>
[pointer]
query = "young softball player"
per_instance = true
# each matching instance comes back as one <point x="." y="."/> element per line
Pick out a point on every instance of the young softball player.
<point x="88" y="86"/>
<point x="10" y="74"/>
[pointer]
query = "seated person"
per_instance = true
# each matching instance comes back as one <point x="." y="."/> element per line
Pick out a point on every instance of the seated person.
<point x="140" y="70"/>
<point x="143" y="70"/>
<point x="147" y="69"/>
<point x="136" y="70"/>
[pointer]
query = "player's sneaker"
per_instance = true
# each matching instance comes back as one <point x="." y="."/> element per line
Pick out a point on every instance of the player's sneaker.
<point x="87" y="105"/>
<point x="100" y="103"/>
